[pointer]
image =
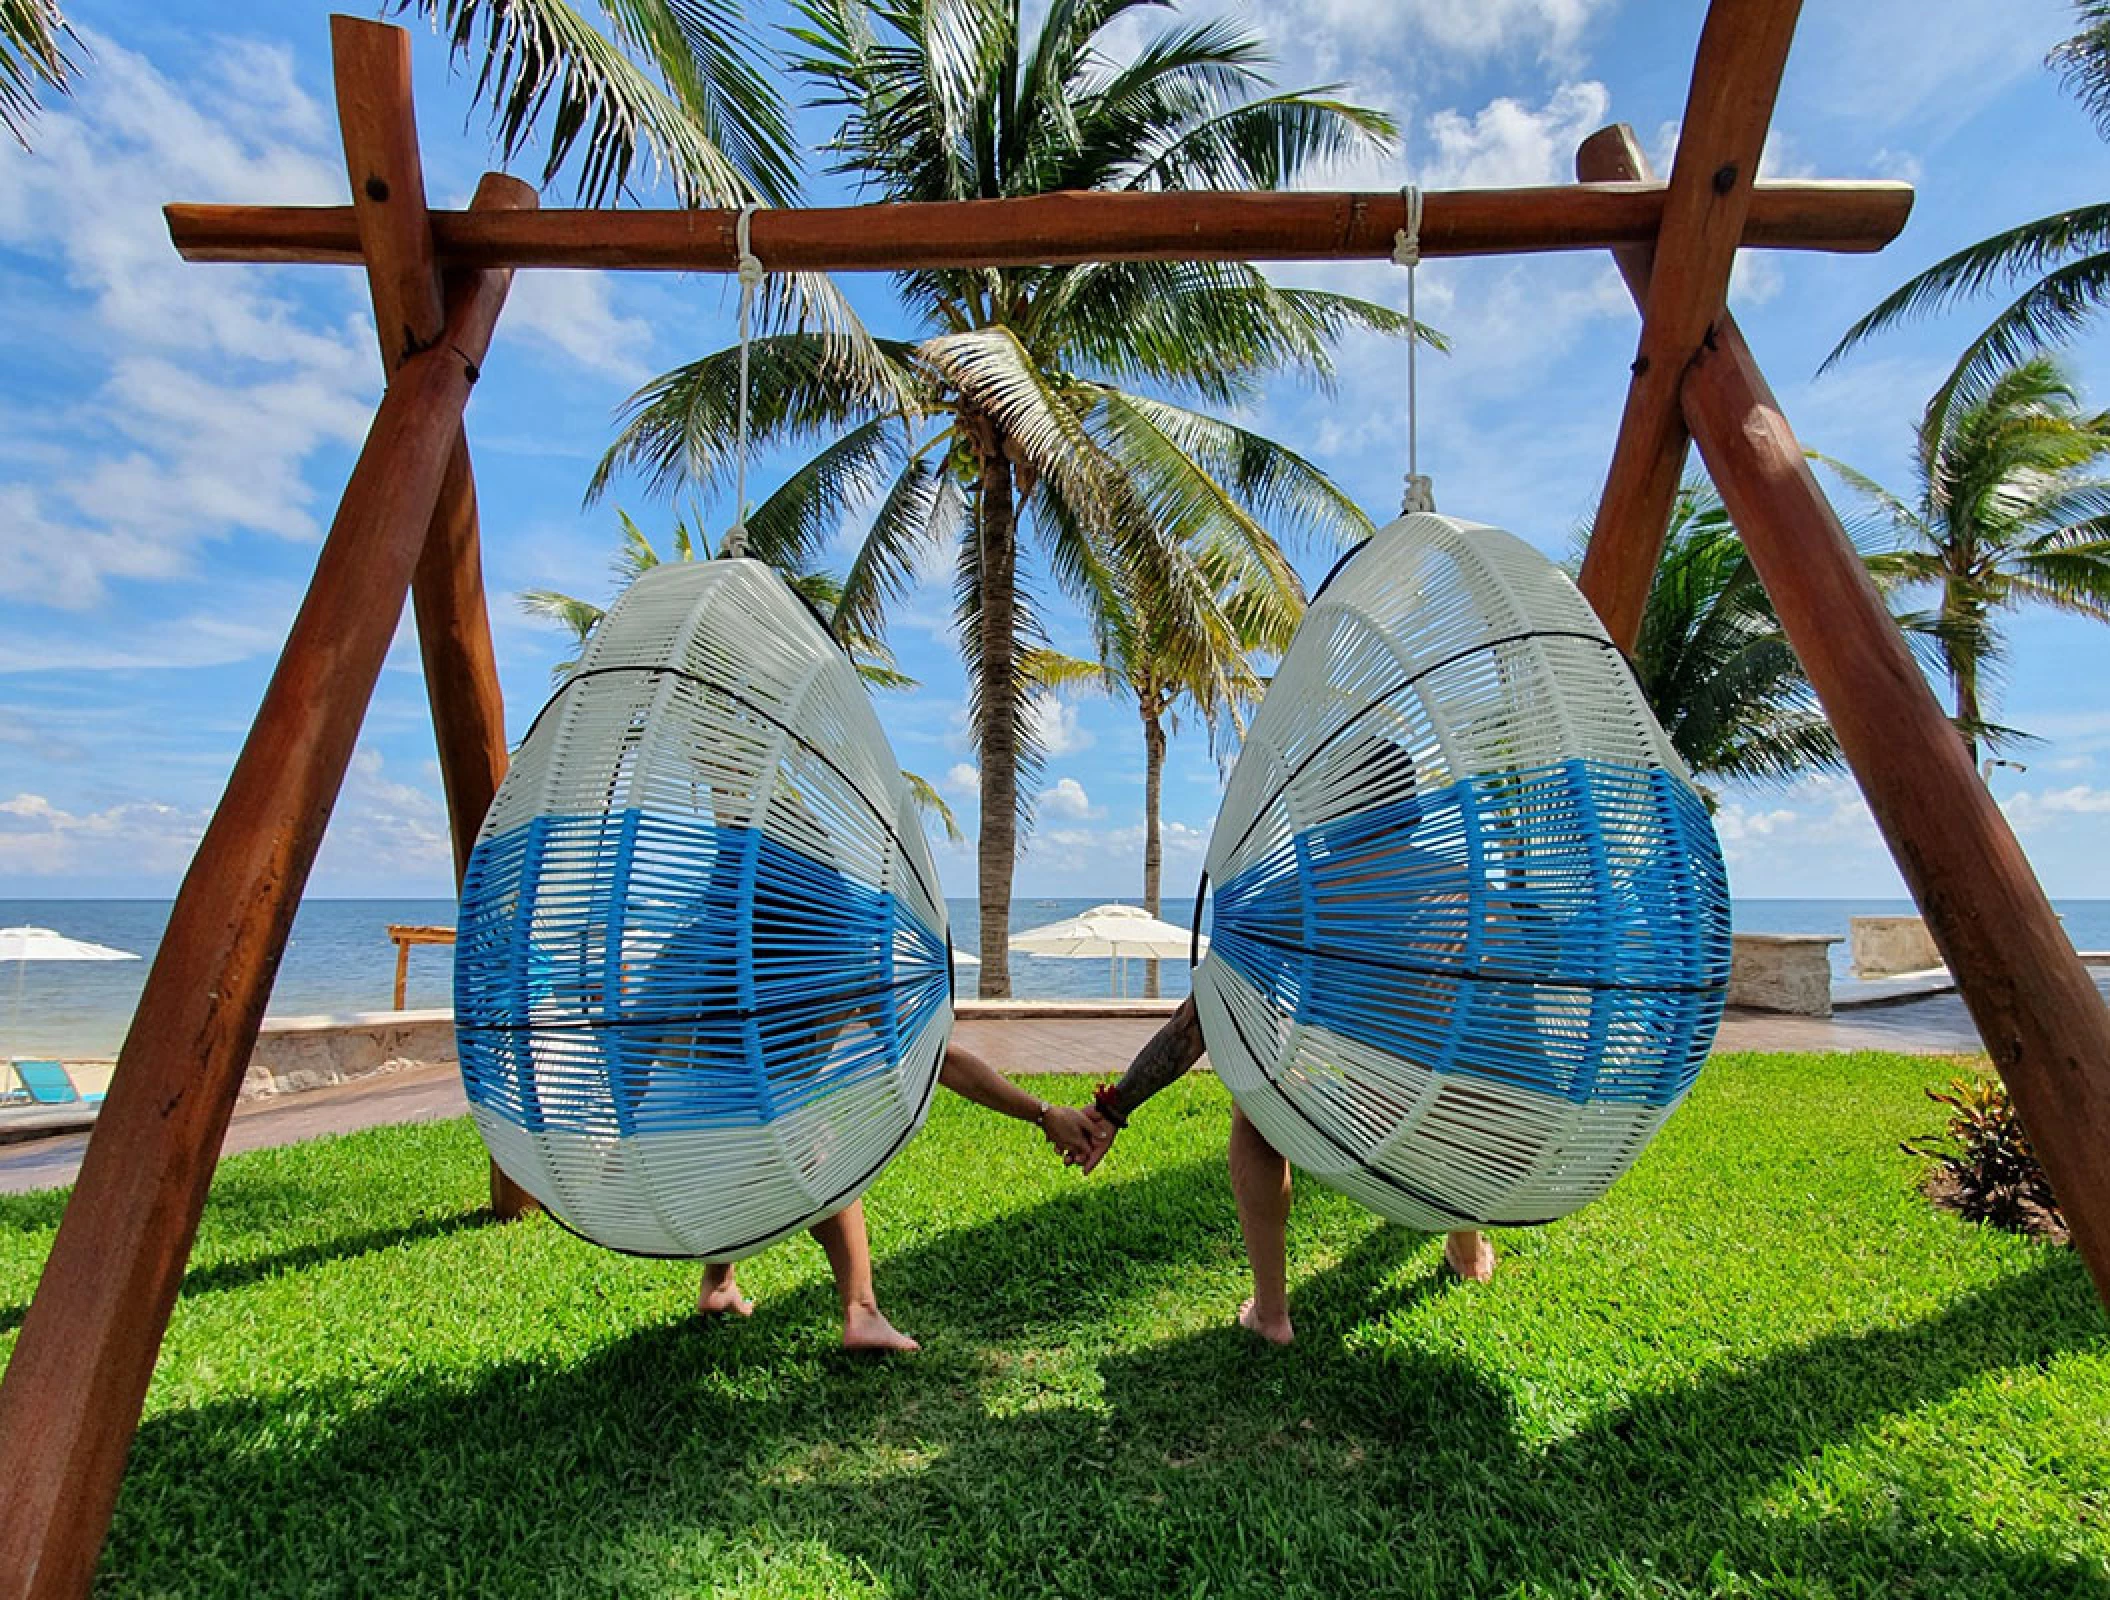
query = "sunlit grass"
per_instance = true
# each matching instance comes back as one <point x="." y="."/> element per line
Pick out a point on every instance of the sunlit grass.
<point x="1763" y="1365"/>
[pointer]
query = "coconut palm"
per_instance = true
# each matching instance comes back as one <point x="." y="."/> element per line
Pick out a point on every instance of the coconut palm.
<point x="2008" y="512"/>
<point x="1181" y="635"/>
<point x="31" y="58"/>
<point x="679" y="81"/>
<point x="2064" y="258"/>
<point x="1007" y="433"/>
<point x="1713" y="663"/>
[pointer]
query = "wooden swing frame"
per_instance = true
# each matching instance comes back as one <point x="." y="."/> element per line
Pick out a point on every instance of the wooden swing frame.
<point x="407" y="523"/>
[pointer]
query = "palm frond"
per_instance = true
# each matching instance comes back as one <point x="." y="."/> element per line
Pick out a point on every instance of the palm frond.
<point x="2006" y="257"/>
<point x="932" y="804"/>
<point x="32" y="58"/>
<point x="2083" y="61"/>
<point x="677" y="81"/>
<point x="995" y="374"/>
<point x="680" y="429"/>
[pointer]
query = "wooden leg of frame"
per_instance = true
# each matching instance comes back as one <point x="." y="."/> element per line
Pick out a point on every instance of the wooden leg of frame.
<point x="72" y="1395"/>
<point x="2036" y="1007"/>
<point x="461" y="682"/>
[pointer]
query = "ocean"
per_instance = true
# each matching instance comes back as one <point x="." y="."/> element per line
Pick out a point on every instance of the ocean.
<point x="340" y="958"/>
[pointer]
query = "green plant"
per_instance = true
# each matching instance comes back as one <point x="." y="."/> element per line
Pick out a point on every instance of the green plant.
<point x="31" y="58"/>
<point x="2011" y="509"/>
<point x="1988" y="1170"/>
<point x="2060" y="260"/>
<point x="1012" y="431"/>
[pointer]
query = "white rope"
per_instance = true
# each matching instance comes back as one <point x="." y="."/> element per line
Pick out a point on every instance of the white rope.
<point x="750" y="280"/>
<point x="1406" y="252"/>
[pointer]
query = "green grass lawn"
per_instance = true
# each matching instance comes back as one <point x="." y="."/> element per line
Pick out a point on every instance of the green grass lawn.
<point x="1762" y="1366"/>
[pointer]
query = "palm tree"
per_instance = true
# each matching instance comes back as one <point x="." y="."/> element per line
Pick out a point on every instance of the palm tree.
<point x="2065" y="257"/>
<point x="1713" y="663"/>
<point x="1181" y="634"/>
<point x="2007" y="513"/>
<point x="1011" y="415"/>
<point x="681" y="81"/>
<point x="31" y="57"/>
<point x="822" y="591"/>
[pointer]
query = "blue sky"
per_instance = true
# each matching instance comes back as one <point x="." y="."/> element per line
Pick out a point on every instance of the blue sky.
<point x="173" y="438"/>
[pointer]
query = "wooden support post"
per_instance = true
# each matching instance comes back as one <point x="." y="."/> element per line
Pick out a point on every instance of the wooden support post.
<point x="72" y="1395"/>
<point x="1735" y="76"/>
<point x="378" y="121"/>
<point x="2037" y="1009"/>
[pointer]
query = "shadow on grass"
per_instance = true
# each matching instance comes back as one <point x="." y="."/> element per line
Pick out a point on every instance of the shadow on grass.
<point x="683" y="1456"/>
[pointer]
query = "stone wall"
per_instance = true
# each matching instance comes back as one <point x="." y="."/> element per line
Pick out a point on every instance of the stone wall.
<point x="1886" y="945"/>
<point x="294" y="1053"/>
<point x="1789" y="972"/>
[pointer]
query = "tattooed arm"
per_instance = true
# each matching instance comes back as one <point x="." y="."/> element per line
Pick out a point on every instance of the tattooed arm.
<point x="1171" y="1051"/>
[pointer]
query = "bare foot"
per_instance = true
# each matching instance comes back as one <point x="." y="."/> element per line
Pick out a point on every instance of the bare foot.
<point x="866" y="1328"/>
<point x="1275" y="1330"/>
<point x="722" y="1298"/>
<point x="1470" y="1256"/>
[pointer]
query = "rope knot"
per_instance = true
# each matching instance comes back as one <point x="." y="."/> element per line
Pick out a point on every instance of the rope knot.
<point x="1406" y="242"/>
<point x="735" y="545"/>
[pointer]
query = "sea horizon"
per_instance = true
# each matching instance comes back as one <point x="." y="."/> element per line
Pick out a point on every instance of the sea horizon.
<point x="340" y="960"/>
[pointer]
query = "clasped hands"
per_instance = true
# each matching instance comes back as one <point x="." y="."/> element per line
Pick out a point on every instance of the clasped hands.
<point x="1082" y="1133"/>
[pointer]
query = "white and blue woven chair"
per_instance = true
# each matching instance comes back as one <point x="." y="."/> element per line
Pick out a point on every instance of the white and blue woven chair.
<point x="1470" y="935"/>
<point x="702" y="979"/>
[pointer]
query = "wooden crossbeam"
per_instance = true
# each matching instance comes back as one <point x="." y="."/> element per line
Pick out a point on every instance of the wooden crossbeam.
<point x="1056" y="228"/>
<point x="1735" y="76"/>
<point x="378" y="121"/>
<point x="2035" y="1005"/>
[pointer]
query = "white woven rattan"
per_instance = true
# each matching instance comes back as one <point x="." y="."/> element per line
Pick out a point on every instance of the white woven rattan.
<point x="702" y="978"/>
<point x="1470" y="920"/>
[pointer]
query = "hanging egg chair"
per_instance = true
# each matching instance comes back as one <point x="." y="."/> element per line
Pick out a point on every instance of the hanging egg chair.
<point x="702" y="978"/>
<point x="1470" y="935"/>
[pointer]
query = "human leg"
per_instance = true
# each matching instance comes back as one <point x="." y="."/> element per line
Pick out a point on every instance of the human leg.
<point x="1467" y="1253"/>
<point x="720" y="1295"/>
<point x="849" y="1251"/>
<point x="1260" y="1185"/>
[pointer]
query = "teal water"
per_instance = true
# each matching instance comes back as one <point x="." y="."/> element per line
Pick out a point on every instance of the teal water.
<point x="340" y="959"/>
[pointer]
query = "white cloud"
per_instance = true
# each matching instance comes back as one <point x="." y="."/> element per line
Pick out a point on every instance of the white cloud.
<point x="574" y="312"/>
<point x="252" y="622"/>
<point x="1053" y="723"/>
<point x="1474" y="30"/>
<point x="1066" y="798"/>
<point x="1506" y="144"/>
<point x="1076" y="860"/>
<point x="383" y="829"/>
<point x="39" y="839"/>
<point x="219" y="385"/>
<point x="963" y="781"/>
<point x="2037" y="810"/>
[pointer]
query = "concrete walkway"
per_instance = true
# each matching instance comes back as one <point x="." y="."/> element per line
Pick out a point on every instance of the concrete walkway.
<point x="1096" y="1041"/>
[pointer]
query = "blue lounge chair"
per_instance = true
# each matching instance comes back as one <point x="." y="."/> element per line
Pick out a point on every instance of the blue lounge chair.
<point x="50" y="1084"/>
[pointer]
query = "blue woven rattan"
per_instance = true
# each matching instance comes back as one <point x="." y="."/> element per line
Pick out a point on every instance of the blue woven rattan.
<point x="1470" y="934"/>
<point x="702" y="977"/>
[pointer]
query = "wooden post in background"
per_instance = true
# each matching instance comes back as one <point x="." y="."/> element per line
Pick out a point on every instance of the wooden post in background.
<point x="1735" y="77"/>
<point x="378" y="120"/>
<point x="2038" y="1011"/>
<point x="71" y="1399"/>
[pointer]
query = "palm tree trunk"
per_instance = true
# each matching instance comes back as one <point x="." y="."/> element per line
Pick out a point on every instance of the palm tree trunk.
<point x="1965" y="674"/>
<point x="1153" y="842"/>
<point x="996" y="730"/>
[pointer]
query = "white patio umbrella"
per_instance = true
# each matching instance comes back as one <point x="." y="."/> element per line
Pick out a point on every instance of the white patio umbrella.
<point x="1117" y="932"/>
<point x="24" y="945"/>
